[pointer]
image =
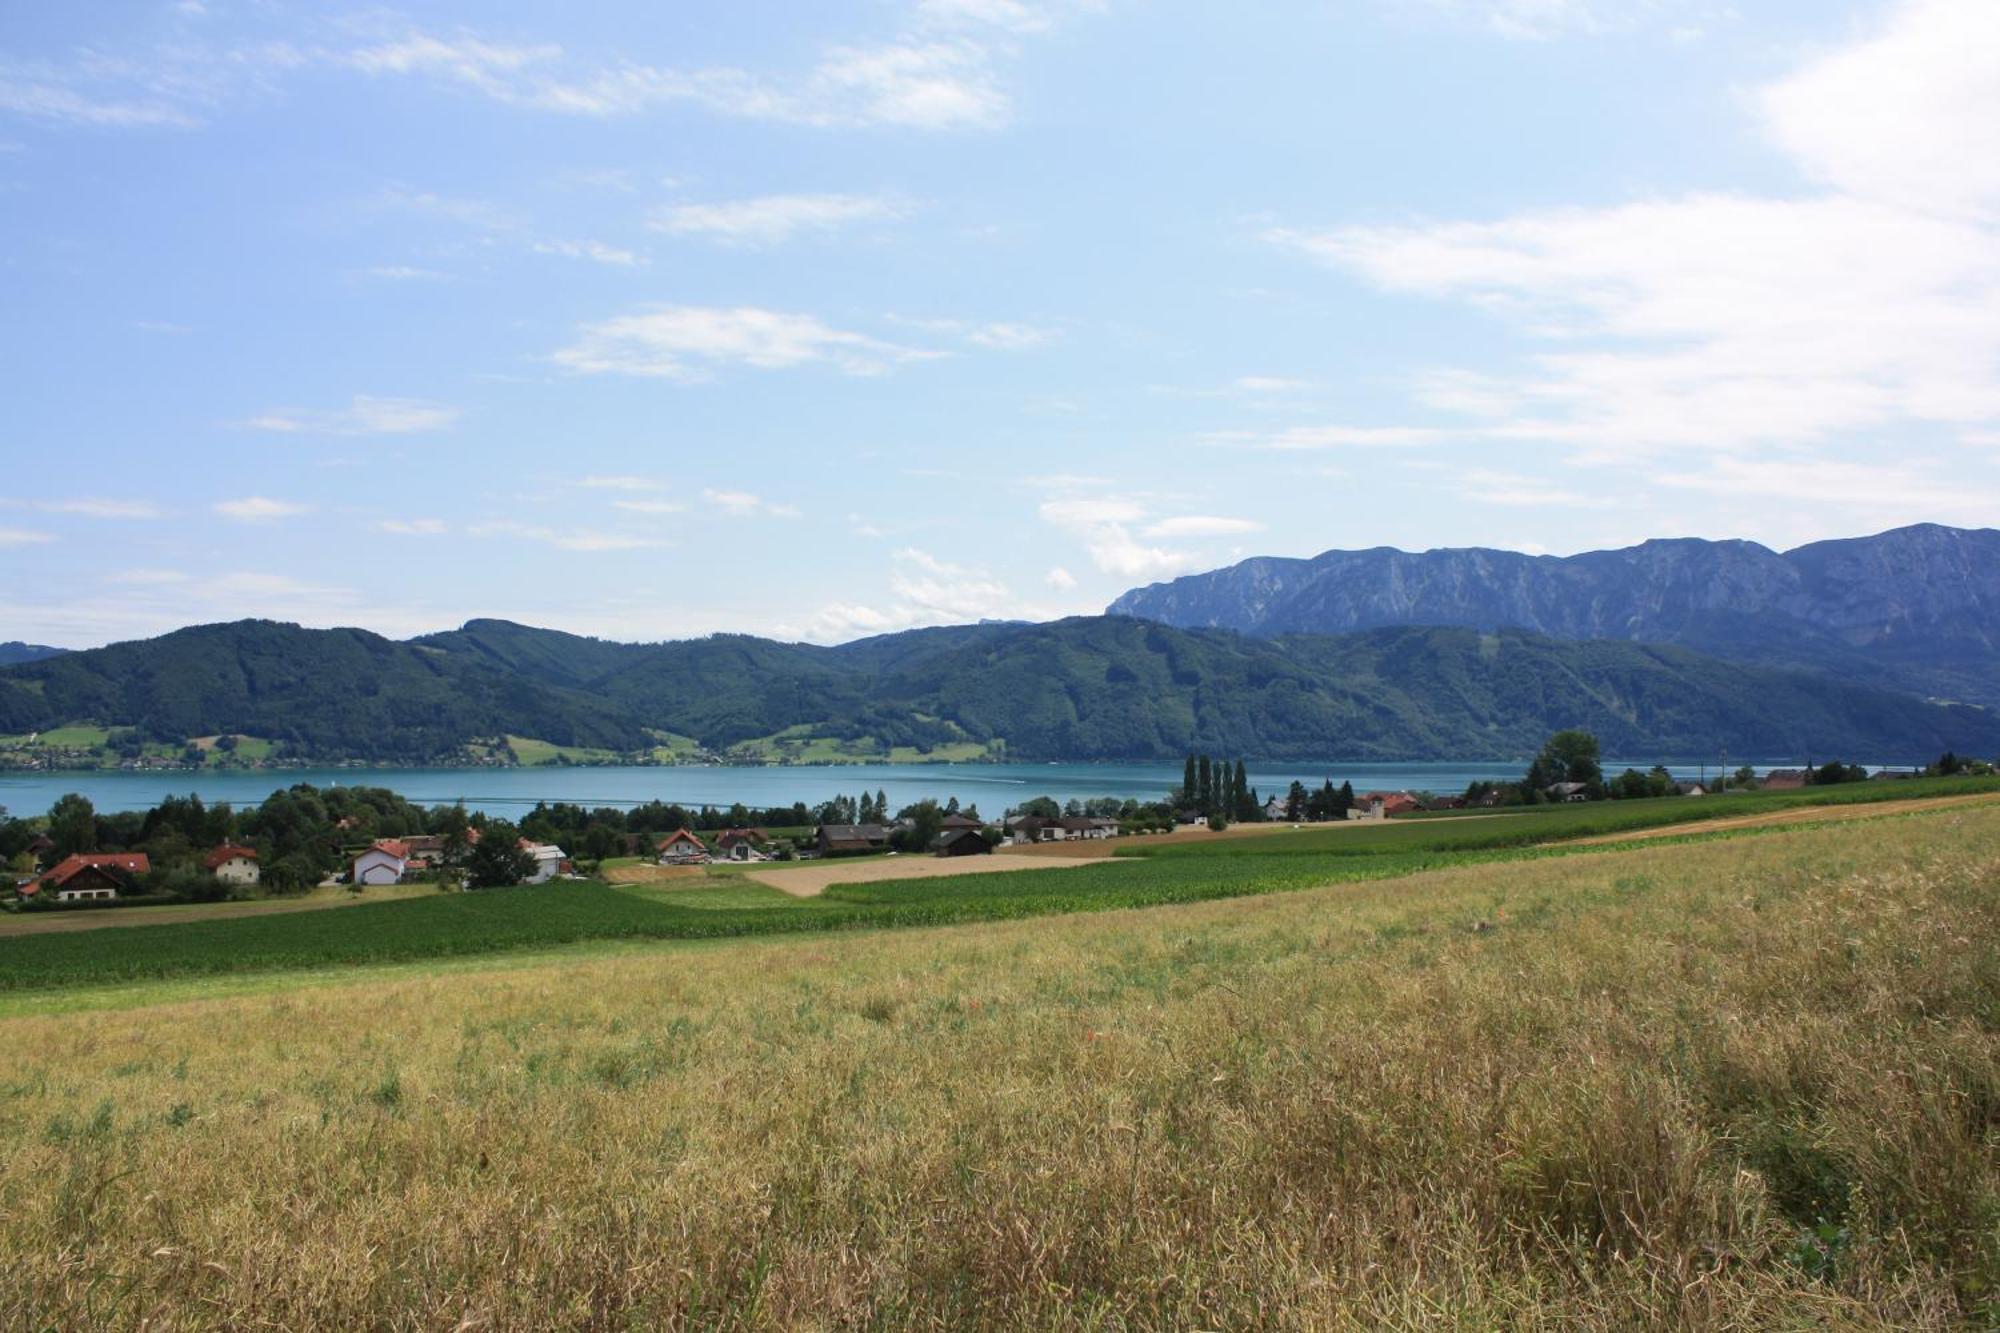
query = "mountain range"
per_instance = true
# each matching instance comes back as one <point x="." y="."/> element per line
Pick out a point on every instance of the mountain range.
<point x="1088" y="688"/>
<point x="1914" y="609"/>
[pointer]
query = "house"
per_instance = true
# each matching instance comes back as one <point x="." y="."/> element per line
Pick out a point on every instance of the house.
<point x="232" y="864"/>
<point x="681" y="848"/>
<point x="961" y="842"/>
<point x="550" y="861"/>
<point x="1392" y="802"/>
<point x="84" y="877"/>
<point x="1080" y="827"/>
<point x="1024" y="829"/>
<point x="850" y="839"/>
<point x="1691" y="788"/>
<point x="741" y="844"/>
<point x="1191" y="818"/>
<point x="1567" y="791"/>
<point x="1783" y="779"/>
<point x="39" y="847"/>
<point x="385" y="862"/>
<point x="1274" y="809"/>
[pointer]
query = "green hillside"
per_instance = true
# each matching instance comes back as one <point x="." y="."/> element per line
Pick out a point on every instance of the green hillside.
<point x="1087" y="688"/>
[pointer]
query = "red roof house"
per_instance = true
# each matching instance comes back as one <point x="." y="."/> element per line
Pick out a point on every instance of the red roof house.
<point x="84" y="876"/>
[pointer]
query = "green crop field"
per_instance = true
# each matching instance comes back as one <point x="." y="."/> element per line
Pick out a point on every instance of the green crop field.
<point x="1144" y="875"/>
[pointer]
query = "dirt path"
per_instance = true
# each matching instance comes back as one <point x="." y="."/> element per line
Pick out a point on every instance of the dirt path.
<point x="815" y="878"/>
<point x="1812" y="814"/>
<point x="105" y="918"/>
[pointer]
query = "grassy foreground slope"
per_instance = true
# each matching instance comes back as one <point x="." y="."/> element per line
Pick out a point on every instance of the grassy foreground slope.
<point x="1752" y="1083"/>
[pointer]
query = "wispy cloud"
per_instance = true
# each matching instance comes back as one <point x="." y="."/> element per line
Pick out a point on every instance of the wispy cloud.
<point x="595" y="251"/>
<point x="363" y="416"/>
<point x="690" y="342"/>
<point x="99" y="507"/>
<point x="567" y="539"/>
<point x="1104" y="527"/>
<point x="23" y="537"/>
<point x="414" y="527"/>
<point x="259" y="509"/>
<point x="773" y="218"/>
<point x="1202" y="525"/>
<point x="1722" y="321"/>
<point x="744" y="503"/>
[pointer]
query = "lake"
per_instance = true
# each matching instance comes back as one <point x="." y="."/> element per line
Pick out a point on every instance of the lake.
<point x="509" y="791"/>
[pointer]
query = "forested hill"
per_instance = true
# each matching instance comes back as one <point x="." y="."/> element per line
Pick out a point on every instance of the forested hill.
<point x="1914" y="609"/>
<point x="15" y="652"/>
<point x="1087" y="688"/>
<point x="325" y="694"/>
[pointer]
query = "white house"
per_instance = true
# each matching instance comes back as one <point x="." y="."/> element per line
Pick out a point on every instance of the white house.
<point x="383" y="863"/>
<point x="549" y="860"/>
<point x="232" y="864"/>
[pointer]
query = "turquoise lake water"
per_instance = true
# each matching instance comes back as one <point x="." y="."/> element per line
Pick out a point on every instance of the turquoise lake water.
<point x="992" y="787"/>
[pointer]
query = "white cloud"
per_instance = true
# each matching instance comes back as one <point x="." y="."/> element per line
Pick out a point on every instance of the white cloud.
<point x="147" y="577"/>
<point x="621" y="483"/>
<point x="1202" y="525"/>
<point x="1103" y="528"/>
<point x="1059" y="578"/>
<point x="997" y="336"/>
<point x="363" y="416"/>
<point x="650" y="506"/>
<point x="1301" y="438"/>
<point x="405" y="273"/>
<point x="414" y="527"/>
<point x="98" y="507"/>
<point x="1725" y="321"/>
<point x="23" y="537"/>
<point x="258" y="509"/>
<point x="567" y="539"/>
<point x="1905" y="117"/>
<point x="595" y="251"/>
<point x="924" y="590"/>
<point x="687" y="342"/>
<point x="1269" y="384"/>
<point x="770" y="219"/>
<point x="744" y="503"/>
<point x="1506" y="488"/>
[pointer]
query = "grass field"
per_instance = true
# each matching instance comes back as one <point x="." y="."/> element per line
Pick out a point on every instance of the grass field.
<point x="1749" y="1083"/>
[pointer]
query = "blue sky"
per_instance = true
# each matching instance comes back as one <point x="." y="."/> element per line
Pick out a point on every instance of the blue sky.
<point x="822" y="320"/>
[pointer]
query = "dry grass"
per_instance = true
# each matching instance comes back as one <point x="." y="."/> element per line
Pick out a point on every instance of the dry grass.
<point x="816" y="877"/>
<point x="320" y="897"/>
<point x="1816" y="814"/>
<point x="1620" y="1101"/>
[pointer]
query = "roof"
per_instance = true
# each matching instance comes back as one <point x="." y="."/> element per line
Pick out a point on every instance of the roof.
<point x="741" y="835"/>
<point x="226" y="853"/>
<point x="953" y="835"/>
<point x="679" y="835"/>
<point x="955" y="820"/>
<point x="67" y="869"/>
<point x="854" y="832"/>
<point x="395" y="847"/>
<point x="544" y="851"/>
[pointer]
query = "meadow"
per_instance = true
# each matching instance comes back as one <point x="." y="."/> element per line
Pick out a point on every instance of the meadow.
<point x="1743" y="1082"/>
<point x="1146" y="873"/>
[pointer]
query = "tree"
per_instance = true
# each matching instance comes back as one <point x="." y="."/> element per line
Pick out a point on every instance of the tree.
<point x="1189" y="791"/>
<point x="72" y="825"/>
<point x="1568" y="756"/>
<point x="497" y="860"/>
<point x="1295" y="802"/>
<point x="1204" y="784"/>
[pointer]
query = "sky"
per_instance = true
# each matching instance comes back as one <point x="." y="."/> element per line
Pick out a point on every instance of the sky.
<point x="649" y="320"/>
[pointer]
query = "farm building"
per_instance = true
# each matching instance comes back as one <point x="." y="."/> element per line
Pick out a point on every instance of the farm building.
<point x="961" y="842"/>
<point x="232" y="864"/>
<point x="550" y="861"/>
<point x="90" y="877"/>
<point x="850" y="839"/>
